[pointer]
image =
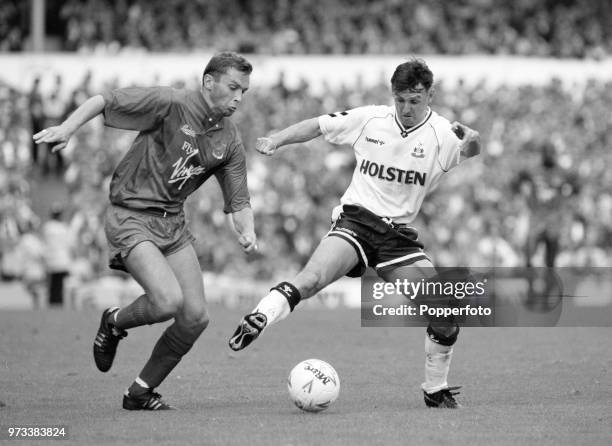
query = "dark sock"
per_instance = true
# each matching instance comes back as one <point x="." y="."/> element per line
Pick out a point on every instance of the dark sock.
<point x="174" y="343"/>
<point x="137" y="389"/>
<point x="140" y="312"/>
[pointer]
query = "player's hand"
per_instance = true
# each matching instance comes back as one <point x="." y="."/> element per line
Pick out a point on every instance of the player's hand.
<point x="470" y="139"/>
<point x="248" y="243"/>
<point x="57" y="134"/>
<point x="266" y="146"/>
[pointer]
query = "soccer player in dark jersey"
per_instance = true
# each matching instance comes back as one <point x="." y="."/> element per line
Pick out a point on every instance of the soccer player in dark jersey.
<point x="184" y="138"/>
<point x="402" y="153"/>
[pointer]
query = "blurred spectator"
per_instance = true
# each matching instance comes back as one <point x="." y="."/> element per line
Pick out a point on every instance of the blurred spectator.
<point x="13" y="13"/>
<point x="29" y="255"/>
<point x="54" y="112"/>
<point x="37" y="118"/>
<point x="59" y="246"/>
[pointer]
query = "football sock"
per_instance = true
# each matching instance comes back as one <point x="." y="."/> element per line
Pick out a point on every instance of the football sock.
<point x="173" y="344"/>
<point x="275" y="306"/>
<point x="437" y="363"/>
<point x="138" y="387"/>
<point x="281" y="301"/>
<point x="140" y="312"/>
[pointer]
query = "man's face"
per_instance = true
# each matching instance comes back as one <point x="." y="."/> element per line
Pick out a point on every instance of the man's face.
<point x="226" y="92"/>
<point x="411" y="105"/>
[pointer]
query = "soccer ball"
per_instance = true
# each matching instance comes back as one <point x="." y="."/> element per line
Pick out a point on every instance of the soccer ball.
<point x="313" y="385"/>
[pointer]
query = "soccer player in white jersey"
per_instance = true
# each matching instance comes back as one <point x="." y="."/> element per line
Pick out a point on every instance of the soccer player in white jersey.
<point x="402" y="152"/>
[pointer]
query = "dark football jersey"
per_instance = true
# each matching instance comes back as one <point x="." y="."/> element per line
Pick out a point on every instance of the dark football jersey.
<point x="180" y="144"/>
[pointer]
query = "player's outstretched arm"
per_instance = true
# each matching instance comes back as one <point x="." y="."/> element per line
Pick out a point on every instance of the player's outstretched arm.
<point x="244" y="225"/>
<point x="60" y="134"/>
<point x="470" y="140"/>
<point x="301" y="132"/>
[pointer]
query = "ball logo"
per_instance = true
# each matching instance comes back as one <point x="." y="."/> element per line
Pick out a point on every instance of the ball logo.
<point x="308" y="386"/>
<point x="319" y="375"/>
<point x="187" y="130"/>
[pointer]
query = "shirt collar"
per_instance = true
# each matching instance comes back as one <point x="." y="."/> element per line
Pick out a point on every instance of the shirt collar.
<point x="404" y="131"/>
<point x="211" y="119"/>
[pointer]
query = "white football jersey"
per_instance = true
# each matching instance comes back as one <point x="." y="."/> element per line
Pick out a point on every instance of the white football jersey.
<point x="396" y="167"/>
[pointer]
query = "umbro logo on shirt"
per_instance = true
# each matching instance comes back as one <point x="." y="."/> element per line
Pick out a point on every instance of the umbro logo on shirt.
<point x="375" y="141"/>
<point x="187" y="130"/>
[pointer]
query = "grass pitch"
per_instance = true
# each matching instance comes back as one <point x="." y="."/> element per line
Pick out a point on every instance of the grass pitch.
<point x="521" y="386"/>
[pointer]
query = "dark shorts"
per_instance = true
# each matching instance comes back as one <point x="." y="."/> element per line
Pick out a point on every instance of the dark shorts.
<point x="381" y="245"/>
<point x="126" y="228"/>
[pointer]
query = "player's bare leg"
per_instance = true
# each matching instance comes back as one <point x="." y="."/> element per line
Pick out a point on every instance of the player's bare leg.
<point x="174" y="288"/>
<point x="439" y="341"/>
<point x="332" y="259"/>
<point x="190" y="319"/>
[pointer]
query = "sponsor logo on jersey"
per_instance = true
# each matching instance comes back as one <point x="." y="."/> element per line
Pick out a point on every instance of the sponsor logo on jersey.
<point x="182" y="171"/>
<point x="187" y="130"/>
<point x="392" y="174"/>
<point x="419" y="151"/>
<point x="375" y="141"/>
<point x="188" y="148"/>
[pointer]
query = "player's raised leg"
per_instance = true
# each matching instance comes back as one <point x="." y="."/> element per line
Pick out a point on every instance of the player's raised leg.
<point x="332" y="259"/>
<point x="190" y="320"/>
<point x="439" y="340"/>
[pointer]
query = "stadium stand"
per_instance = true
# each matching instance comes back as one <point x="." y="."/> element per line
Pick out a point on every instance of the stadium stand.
<point x="538" y="196"/>
<point x="547" y="28"/>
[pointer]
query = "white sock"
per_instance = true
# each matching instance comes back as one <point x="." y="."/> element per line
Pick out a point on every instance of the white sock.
<point x="275" y="306"/>
<point x="437" y="363"/>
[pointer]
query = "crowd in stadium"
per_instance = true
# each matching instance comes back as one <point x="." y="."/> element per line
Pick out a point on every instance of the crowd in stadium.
<point x="536" y="196"/>
<point x="559" y="28"/>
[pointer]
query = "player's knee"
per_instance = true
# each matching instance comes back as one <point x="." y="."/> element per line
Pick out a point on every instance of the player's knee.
<point x="167" y="300"/>
<point x="443" y="334"/>
<point x="197" y="320"/>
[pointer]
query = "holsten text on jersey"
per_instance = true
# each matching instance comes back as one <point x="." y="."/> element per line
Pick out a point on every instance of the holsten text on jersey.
<point x="373" y="169"/>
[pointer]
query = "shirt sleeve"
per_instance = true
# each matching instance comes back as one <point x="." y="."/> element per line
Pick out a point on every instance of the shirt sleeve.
<point x="449" y="154"/>
<point x="344" y="127"/>
<point x="136" y="108"/>
<point x="232" y="178"/>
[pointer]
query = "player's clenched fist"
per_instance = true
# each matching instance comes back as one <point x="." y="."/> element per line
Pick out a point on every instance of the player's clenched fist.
<point x="57" y="134"/>
<point x="470" y="139"/>
<point x="248" y="243"/>
<point x="266" y="146"/>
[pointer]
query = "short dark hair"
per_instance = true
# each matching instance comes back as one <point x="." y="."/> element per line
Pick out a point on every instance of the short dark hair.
<point x="410" y="74"/>
<point x="220" y="63"/>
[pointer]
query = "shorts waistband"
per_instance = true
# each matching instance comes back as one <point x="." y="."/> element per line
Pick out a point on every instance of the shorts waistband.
<point x="388" y="221"/>
<point x="395" y="225"/>
<point x="155" y="212"/>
